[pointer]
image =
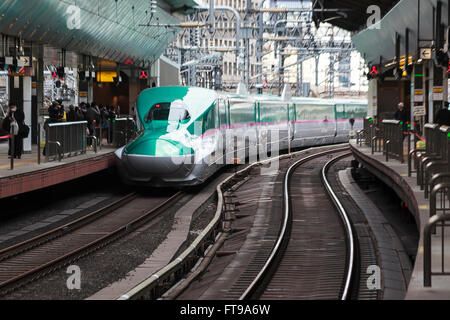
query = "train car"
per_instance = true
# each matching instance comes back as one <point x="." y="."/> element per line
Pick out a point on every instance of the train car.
<point x="185" y="134"/>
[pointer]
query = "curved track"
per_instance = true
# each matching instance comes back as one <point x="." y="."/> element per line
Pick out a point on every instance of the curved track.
<point x="38" y="256"/>
<point x="314" y="255"/>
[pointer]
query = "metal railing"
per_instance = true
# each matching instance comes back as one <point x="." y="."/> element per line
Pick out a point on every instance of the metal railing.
<point x="66" y="139"/>
<point x="438" y="218"/>
<point x="124" y="130"/>
<point x="364" y="134"/>
<point x="393" y="139"/>
<point x="434" y="171"/>
<point x="376" y="138"/>
<point x="432" y="152"/>
<point x="413" y="151"/>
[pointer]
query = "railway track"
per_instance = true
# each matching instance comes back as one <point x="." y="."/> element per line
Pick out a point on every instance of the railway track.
<point x="286" y="235"/>
<point x="36" y="257"/>
<point x="314" y="255"/>
<point x="290" y="239"/>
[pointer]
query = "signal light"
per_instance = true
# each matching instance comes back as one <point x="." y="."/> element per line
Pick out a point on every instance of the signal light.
<point x="143" y="75"/>
<point x="373" y="72"/>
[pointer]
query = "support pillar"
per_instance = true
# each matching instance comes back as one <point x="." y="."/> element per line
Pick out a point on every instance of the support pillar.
<point x="38" y="92"/>
<point x="27" y="111"/>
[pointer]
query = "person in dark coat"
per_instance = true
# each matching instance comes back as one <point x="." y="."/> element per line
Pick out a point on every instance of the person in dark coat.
<point x="401" y="114"/>
<point x="15" y="117"/>
<point x="78" y="114"/>
<point x="443" y="116"/>
<point x="71" y="115"/>
<point x="53" y="112"/>
<point x="92" y="116"/>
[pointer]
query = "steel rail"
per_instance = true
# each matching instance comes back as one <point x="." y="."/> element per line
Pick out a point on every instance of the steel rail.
<point x="84" y="249"/>
<point x="287" y="215"/>
<point x="347" y="224"/>
<point x="57" y="232"/>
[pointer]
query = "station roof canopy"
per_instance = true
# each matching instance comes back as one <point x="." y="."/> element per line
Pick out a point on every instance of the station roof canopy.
<point x="103" y="28"/>
<point x="352" y="15"/>
<point x="378" y="44"/>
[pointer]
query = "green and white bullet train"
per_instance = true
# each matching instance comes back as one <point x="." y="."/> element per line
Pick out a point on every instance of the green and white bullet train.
<point x="185" y="134"/>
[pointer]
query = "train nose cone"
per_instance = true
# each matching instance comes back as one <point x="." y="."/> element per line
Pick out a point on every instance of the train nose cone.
<point x="158" y="158"/>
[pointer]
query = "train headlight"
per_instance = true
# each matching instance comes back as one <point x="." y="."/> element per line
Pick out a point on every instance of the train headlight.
<point x="119" y="153"/>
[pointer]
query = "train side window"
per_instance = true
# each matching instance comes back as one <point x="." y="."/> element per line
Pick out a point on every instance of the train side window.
<point x="222" y="112"/>
<point x="210" y="122"/>
<point x="340" y="111"/>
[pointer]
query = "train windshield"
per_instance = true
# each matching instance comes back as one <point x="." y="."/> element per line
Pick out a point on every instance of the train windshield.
<point x="168" y="111"/>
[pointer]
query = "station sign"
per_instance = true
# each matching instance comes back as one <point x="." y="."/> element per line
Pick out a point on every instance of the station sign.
<point x="425" y="53"/>
<point x="419" y="111"/>
<point x="418" y="96"/>
<point x="438" y="94"/>
<point x="3" y="80"/>
<point x="106" y="76"/>
<point x="24" y="62"/>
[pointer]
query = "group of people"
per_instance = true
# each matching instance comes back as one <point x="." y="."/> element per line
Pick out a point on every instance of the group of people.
<point x="93" y="113"/>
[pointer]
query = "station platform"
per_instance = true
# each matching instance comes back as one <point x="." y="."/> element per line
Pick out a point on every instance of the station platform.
<point x="28" y="175"/>
<point x="395" y="175"/>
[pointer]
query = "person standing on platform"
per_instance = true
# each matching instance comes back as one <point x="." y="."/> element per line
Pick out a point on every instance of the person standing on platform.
<point x="112" y="119"/>
<point x="14" y="119"/>
<point x="92" y="115"/>
<point x="78" y="114"/>
<point x="71" y="115"/>
<point x="401" y="114"/>
<point x="443" y="115"/>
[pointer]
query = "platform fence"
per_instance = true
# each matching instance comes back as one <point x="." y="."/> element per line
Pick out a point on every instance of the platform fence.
<point x="393" y="139"/>
<point x="65" y="139"/>
<point x="439" y="210"/>
<point x="432" y="151"/>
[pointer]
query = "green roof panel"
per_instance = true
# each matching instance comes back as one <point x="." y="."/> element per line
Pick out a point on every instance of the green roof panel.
<point x="107" y="29"/>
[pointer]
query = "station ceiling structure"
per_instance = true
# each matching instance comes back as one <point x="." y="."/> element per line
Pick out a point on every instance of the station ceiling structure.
<point x="353" y="15"/>
<point x="108" y="29"/>
<point x="411" y="21"/>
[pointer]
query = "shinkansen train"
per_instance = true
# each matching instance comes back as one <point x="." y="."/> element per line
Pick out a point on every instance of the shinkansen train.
<point x="185" y="134"/>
